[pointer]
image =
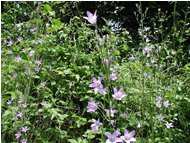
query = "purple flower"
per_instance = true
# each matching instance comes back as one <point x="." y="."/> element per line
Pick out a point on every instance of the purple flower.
<point x="9" y="102"/>
<point x="40" y="41"/>
<point x="24" y="129"/>
<point x="24" y="105"/>
<point x="10" y="43"/>
<point x="166" y="103"/>
<point x="158" y="98"/>
<point x="18" y="134"/>
<point x="113" y="138"/>
<point x="38" y="62"/>
<point x="123" y="115"/>
<point x="31" y="53"/>
<point x="10" y="52"/>
<point x="147" y="64"/>
<point x="24" y="50"/>
<point x="91" y="18"/>
<point x="97" y="85"/>
<point x="147" y="75"/>
<point x="113" y="122"/>
<point x="33" y="29"/>
<point x="101" y="90"/>
<point x="18" y="59"/>
<point x="131" y="58"/>
<point x="92" y="106"/>
<point x="106" y="61"/>
<point x="19" y="114"/>
<point x="95" y="126"/>
<point x="118" y="94"/>
<point x="114" y="76"/>
<point x="15" y="75"/>
<point x="128" y="136"/>
<point x="37" y="68"/>
<point x="23" y="141"/>
<point x="160" y="117"/>
<point x="147" y="51"/>
<point x="110" y="112"/>
<point x="169" y="125"/>
<point x="96" y="82"/>
<point x="159" y="104"/>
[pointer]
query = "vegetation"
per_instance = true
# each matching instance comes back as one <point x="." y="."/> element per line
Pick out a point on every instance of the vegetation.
<point x="68" y="76"/>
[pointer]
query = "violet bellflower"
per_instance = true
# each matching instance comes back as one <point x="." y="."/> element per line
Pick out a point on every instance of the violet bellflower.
<point x="118" y="94"/>
<point x="24" y="129"/>
<point x="110" y="112"/>
<point x="128" y="136"/>
<point x="169" y="125"/>
<point x="92" y="18"/>
<point x="95" y="126"/>
<point x="23" y="141"/>
<point x="18" y="134"/>
<point x="97" y="86"/>
<point x="92" y="106"/>
<point x="113" y="138"/>
<point x="114" y="76"/>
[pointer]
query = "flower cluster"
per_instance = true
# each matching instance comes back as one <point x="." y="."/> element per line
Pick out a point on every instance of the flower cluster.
<point x="127" y="137"/>
<point x="19" y="133"/>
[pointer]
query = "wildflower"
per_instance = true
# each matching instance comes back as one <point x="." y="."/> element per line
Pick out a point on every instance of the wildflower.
<point x="24" y="105"/>
<point x="37" y="68"/>
<point x="147" y="51"/>
<point x="18" y="134"/>
<point x="123" y="115"/>
<point x="139" y="125"/>
<point x="113" y="122"/>
<point x="20" y="101"/>
<point x="158" y="98"/>
<point x="15" y="75"/>
<point x="91" y="18"/>
<point x="18" y="59"/>
<point x="131" y="58"/>
<point x="19" y="114"/>
<point x="96" y="83"/>
<point x="114" y="76"/>
<point x="24" y="50"/>
<point x="23" y="141"/>
<point x="159" y="104"/>
<point x="110" y="112"/>
<point x="147" y="64"/>
<point x="33" y="29"/>
<point x="40" y="41"/>
<point x="92" y="106"/>
<point x="101" y="90"/>
<point x="9" y="102"/>
<point x="24" y="129"/>
<point x="118" y="94"/>
<point x="43" y="84"/>
<point x="19" y="39"/>
<point x="160" y="117"/>
<point x="147" y="75"/>
<point x="31" y="53"/>
<point x="95" y="126"/>
<point x="128" y="136"/>
<point x="43" y="103"/>
<point x="38" y="62"/>
<point x="113" y="138"/>
<point x="10" y="43"/>
<point x="166" y="103"/>
<point x="10" y="52"/>
<point x="106" y="62"/>
<point x="169" y="125"/>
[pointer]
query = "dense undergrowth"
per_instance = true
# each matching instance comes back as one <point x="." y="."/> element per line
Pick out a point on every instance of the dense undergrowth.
<point x="71" y="82"/>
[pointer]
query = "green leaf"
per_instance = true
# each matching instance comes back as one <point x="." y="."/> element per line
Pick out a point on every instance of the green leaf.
<point x="47" y="8"/>
<point x="72" y="141"/>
